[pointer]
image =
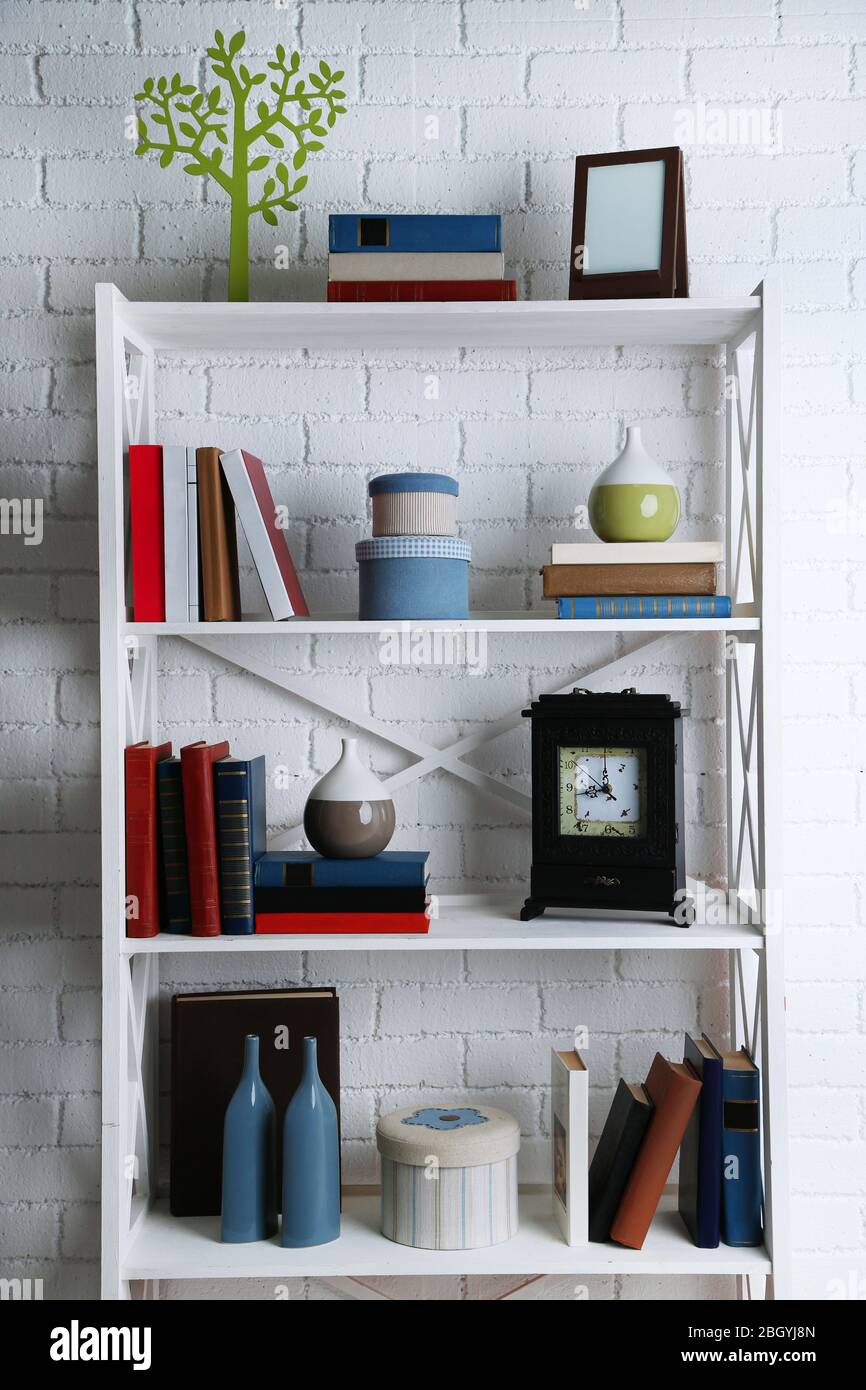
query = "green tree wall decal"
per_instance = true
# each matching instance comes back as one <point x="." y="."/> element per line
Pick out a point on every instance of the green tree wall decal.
<point x="205" y="126"/>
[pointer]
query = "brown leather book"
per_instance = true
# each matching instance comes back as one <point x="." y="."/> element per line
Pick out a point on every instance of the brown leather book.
<point x="218" y="541"/>
<point x="673" y="1089"/>
<point x="579" y="581"/>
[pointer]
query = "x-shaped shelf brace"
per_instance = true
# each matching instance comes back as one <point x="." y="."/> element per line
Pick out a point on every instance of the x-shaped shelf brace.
<point x="429" y="758"/>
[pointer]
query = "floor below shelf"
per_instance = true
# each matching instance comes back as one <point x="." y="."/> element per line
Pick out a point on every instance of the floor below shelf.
<point x="167" y="1247"/>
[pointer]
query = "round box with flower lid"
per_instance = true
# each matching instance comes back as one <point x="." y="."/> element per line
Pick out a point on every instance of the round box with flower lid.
<point x="449" y="1176"/>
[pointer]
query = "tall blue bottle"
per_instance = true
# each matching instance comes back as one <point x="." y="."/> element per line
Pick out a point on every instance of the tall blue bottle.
<point x="311" y="1161"/>
<point x="249" y="1210"/>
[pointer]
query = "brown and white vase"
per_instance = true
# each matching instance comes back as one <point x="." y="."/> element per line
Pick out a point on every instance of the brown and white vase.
<point x="347" y="815"/>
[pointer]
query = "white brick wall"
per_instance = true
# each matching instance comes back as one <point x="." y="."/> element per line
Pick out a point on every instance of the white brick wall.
<point x="519" y="87"/>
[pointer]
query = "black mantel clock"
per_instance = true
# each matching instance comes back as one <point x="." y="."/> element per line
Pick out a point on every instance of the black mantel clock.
<point x="607" y="804"/>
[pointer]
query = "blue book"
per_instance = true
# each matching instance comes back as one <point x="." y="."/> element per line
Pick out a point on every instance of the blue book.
<point x="742" y="1193"/>
<point x="241" y="826"/>
<point x="646" y="606"/>
<point x="303" y="868"/>
<point x="172" y="846"/>
<point x="364" y="231"/>
<point x="700" y="1188"/>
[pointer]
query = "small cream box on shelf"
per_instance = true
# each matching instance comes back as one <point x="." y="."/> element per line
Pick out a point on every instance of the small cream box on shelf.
<point x="449" y="1176"/>
<point x="414" y="504"/>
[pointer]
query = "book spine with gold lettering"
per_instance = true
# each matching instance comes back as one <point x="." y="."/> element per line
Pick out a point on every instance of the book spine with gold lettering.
<point x="239" y="799"/>
<point x="172" y="844"/>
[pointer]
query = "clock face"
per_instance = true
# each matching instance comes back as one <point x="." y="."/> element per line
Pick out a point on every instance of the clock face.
<point x="602" y="792"/>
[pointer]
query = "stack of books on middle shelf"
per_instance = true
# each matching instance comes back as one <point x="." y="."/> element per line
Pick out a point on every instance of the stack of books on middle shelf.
<point x="707" y="1109"/>
<point x="636" y="579"/>
<point x="301" y="891"/>
<point x="375" y="257"/>
<point x="197" y="861"/>
<point x="183" y="510"/>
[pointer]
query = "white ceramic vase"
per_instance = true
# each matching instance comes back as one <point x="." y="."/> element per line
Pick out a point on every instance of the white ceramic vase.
<point x="347" y="815"/>
<point x="633" y="499"/>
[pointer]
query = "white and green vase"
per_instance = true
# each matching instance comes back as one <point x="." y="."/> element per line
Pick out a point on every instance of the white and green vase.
<point x="633" y="499"/>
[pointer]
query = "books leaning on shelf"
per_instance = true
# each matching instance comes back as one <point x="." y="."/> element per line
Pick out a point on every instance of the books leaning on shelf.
<point x="183" y="510"/>
<point x="299" y="891"/>
<point x="416" y="257"/>
<point x="706" y="1107"/>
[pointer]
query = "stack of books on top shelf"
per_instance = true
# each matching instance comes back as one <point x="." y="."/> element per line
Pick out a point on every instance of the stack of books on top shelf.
<point x="707" y="1108"/>
<point x="197" y="860"/>
<point x="636" y="579"/>
<point x="301" y="891"/>
<point x="376" y="257"/>
<point x="183" y="533"/>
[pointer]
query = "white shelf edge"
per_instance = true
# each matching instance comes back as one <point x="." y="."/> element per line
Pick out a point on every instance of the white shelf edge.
<point x="188" y="326"/>
<point x="482" y="622"/>
<point x="169" y="1247"/>
<point x="483" y="922"/>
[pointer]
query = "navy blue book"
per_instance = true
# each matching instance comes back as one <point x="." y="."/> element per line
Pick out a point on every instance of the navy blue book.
<point x="700" y="1187"/>
<point x="172" y="846"/>
<point x="742" y="1192"/>
<point x="646" y="606"/>
<point x="303" y="868"/>
<point x="364" y="231"/>
<point x="241" y="826"/>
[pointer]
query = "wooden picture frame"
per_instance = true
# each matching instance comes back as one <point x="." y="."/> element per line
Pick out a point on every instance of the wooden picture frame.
<point x="667" y="280"/>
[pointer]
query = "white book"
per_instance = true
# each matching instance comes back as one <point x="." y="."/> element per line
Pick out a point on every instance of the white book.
<point x="192" y="535"/>
<point x="638" y="553"/>
<point x="254" y="504"/>
<point x="174" y="503"/>
<point x="569" y="1093"/>
<point x="416" y="265"/>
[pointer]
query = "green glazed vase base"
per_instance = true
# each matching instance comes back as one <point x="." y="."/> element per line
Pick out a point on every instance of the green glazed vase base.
<point x="634" y="511"/>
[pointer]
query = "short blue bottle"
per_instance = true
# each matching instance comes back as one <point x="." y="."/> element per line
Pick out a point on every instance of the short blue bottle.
<point x="249" y="1210"/>
<point x="311" y="1161"/>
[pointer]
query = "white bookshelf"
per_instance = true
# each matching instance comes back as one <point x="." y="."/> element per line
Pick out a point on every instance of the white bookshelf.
<point x="141" y="1243"/>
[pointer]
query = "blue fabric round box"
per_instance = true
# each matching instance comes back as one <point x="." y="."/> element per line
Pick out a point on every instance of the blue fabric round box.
<point x="413" y="577"/>
<point x="414" y="504"/>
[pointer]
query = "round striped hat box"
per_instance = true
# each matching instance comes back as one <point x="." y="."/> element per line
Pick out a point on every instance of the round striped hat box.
<point x="414" y="504"/>
<point x="449" y="1176"/>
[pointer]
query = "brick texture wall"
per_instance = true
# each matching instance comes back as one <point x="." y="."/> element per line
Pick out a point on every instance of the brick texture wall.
<point x="517" y="88"/>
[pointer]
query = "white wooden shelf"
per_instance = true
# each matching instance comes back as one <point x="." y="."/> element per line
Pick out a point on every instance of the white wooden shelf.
<point x="141" y="1242"/>
<point x="478" y="622"/>
<point x="168" y="1247"/>
<point x="556" y="323"/>
<point x="486" y="922"/>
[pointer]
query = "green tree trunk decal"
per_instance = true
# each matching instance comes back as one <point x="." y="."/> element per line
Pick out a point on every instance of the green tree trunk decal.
<point x="192" y="125"/>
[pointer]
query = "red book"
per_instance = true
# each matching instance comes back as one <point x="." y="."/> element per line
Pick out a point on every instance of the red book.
<point x="196" y="771"/>
<point x="255" y="506"/>
<point x="341" y="923"/>
<point x="417" y="291"/>
<point x="142" y="854"/>
<point x="145" y="522"/>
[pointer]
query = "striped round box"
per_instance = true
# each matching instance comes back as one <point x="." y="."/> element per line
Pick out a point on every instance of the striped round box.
<point x="414" y="504"/>
<point x="449" y="1176"/>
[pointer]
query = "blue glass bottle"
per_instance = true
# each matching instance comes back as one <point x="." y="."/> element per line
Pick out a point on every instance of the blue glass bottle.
<point x="249" y="1209"/>
<point x="311" y="1161"/>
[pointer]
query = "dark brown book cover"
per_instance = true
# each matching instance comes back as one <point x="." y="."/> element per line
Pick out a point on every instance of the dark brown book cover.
<point x="579" y="581"/>
<point x="207" y="1047"/>
<point x="218" y="541"/>
<point x="673" y="1089"/>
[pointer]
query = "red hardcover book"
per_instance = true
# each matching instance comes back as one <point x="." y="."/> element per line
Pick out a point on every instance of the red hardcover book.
<point x="145" y="522"/>
<point x="341" y="923"/>
<point x="417" y="291"/>
<point x="142" y="844"/>
<point x="254" y="504"/>
<point x="196" y="770"/>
